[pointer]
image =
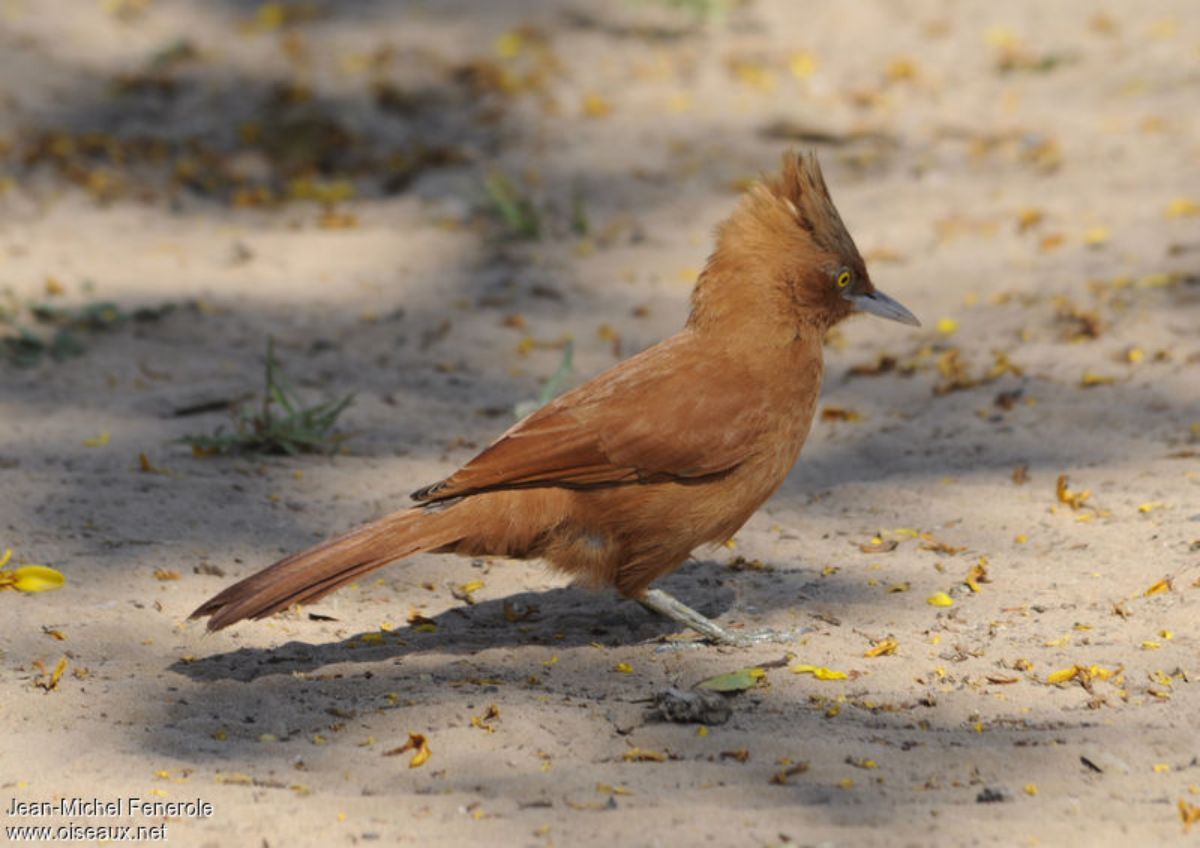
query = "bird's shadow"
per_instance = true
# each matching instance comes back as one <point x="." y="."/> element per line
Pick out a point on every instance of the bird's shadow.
<point x="563" y="617"/>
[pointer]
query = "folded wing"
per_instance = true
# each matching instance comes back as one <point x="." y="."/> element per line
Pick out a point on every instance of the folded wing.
<point x="642" y="422"/>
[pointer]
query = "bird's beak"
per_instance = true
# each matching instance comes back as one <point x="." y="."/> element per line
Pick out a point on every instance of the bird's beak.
<point x="878" y="303"/>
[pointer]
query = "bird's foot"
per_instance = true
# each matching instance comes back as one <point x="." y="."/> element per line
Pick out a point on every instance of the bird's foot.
<point x="767" y="635"/>
<point x="674" y="609"/>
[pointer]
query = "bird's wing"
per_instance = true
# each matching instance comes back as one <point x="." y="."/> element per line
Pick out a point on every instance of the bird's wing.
<point x="671" y="412"/>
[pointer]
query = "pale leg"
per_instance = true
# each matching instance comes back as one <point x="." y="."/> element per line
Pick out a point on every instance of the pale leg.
<point x="674" y="609"/>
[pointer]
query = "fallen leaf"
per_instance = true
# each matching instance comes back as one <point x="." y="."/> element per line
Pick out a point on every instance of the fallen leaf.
<point x="940" y="599"/>
<point x="1182" y="207"/>
<point x="148" y="467"/>
<point x="978" y="574"/>
<point x="418" y="745"/>
<point x="51" y="678"/>
<point x="608" y="789"/>
<point x="1189" y="813"/>
<point x="783" y="776"/>
<point x="641" y="755"/>
<point x="802" y="64"/>
<point x="1074" y="500"/>
<point x="879" y="546"/>
<point x="882" y="648"/>
<point x="1164" y="585"/>
<point x="819" y="672"/>
<point x="929" y="543"/>
<point x="491" y="714"/>
<point x="837" y="413"/>
<point x="734" y="681"/>
<point x="1091" y="379"/>
<point x="596" y="105"/>
<point x="1028" y="218"/>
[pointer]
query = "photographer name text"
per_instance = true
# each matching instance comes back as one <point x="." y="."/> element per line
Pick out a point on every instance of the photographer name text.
<point x="127" y="807"/>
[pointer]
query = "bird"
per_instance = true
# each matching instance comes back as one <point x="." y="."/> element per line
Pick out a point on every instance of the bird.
<point x="619" y="480"/>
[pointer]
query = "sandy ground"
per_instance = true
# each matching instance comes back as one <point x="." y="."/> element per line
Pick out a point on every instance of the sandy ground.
<point x="1023" y="175"/>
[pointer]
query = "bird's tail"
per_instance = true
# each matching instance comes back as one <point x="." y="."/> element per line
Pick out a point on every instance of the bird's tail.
<point x="306" y="576"/>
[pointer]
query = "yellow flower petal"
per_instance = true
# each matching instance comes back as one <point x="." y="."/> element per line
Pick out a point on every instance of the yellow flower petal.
<point x="1182" y="207"/>
<point x="940" y="599"/>
<point x="884" y="647"/>
<point x="1062" y="675"/>
<point x="1163" y="585"/>
<point x="802" y="64"/>
<point x="819" y="672"/>
<point x="596" y="105"/>
<point x="1189" y="813"/>
<point x="37" y="578"/>
<point x="1090" y="379"/>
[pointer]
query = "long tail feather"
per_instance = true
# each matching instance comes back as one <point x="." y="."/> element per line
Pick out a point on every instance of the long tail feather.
<point x="309" y="575"/>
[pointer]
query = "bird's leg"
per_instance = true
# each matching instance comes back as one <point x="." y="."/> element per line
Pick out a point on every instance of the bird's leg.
<point x="674" y="609"/>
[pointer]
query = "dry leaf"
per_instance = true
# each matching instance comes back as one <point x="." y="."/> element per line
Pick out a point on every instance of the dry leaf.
<point x="1074" y="500"/>
<point x="819" y="672"/>
<point x="837" y="413"/>
<point x="978" y="574"/>
<point x="1164" y="585"/>
<point x="1189" y="813"/>
<point x="51" y="677"/>
<point x="418" y="745"/>
<point x="641" y="755"/>
<point x="783" y="776"/>
<point x="878" y="545"/>
<point x="883" y="648"/>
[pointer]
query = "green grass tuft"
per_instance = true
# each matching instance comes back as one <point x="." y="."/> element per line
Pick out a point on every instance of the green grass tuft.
<point x="281" y="426"/>
<point x="514" y="209"/>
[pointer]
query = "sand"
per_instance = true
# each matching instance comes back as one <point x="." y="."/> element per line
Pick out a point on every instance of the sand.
<point x="1024" y="176"/>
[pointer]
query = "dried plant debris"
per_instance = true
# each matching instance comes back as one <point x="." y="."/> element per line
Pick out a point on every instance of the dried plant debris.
<point x="692" y="706"/>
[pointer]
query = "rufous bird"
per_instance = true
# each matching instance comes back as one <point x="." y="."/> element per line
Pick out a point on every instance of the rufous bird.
<point x="617" y="481"/>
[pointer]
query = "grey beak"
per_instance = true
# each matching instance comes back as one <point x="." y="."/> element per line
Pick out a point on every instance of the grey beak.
<point x="878" y="303"/>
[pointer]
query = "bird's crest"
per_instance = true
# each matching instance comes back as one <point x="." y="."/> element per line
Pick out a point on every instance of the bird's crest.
<point x="801" y="187"/>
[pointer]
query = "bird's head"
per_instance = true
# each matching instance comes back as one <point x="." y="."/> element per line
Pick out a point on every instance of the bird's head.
<point x="787" y="245"/>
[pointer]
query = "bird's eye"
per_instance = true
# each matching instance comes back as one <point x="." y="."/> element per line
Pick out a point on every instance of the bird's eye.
<point x="843" y="278"/>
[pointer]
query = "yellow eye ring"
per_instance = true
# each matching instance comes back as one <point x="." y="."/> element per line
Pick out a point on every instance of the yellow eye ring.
<point x="843" y="279"/>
